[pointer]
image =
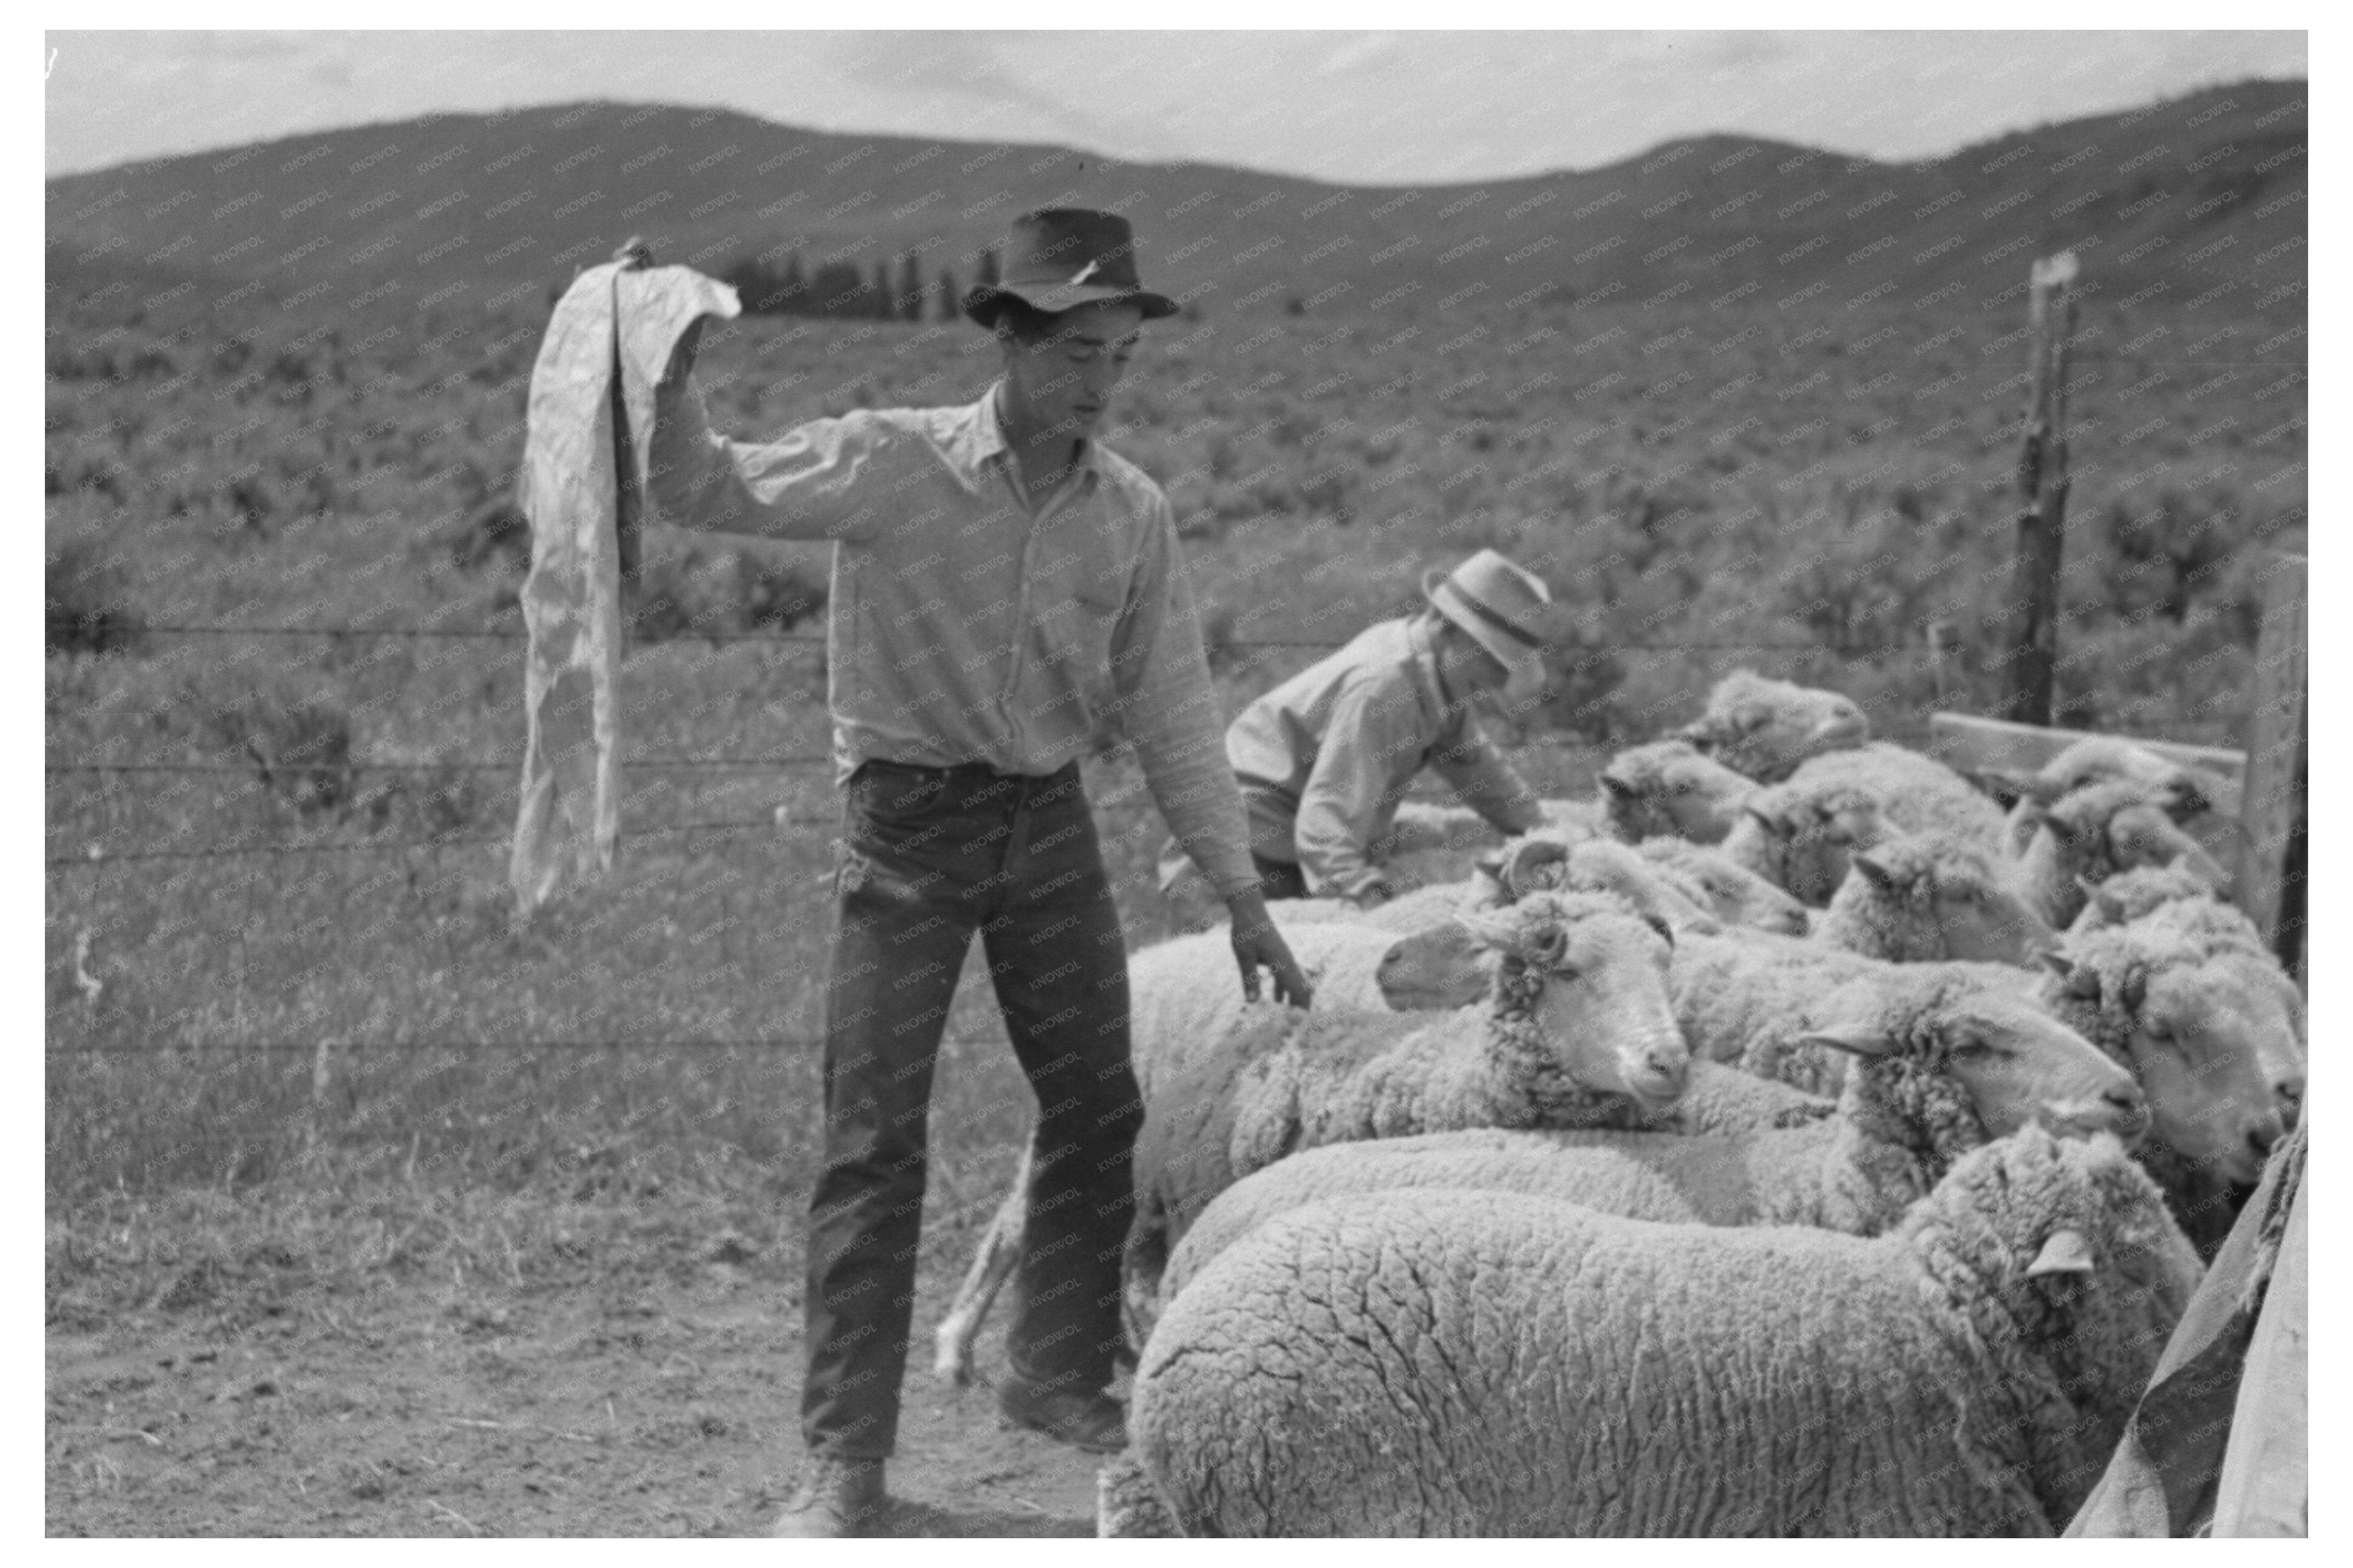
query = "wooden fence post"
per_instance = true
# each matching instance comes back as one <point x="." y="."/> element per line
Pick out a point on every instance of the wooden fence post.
<point x="2043" y="479"/>
<point x="2271" y="884"/>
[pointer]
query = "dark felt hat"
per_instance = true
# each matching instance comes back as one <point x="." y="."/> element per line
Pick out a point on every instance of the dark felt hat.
<point x="1056" y="258"/>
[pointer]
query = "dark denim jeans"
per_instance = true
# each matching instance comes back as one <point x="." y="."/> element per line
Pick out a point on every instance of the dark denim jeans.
<point x="930" y="855"/>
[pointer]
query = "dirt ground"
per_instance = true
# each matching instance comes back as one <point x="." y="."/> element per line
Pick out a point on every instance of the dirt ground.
<point x="656" y="1402"/>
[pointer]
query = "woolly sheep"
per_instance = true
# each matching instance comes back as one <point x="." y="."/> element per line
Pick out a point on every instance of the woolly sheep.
<point x="1760" y="1002"/>
<point x="1765" y="727"/>
<point x="1928" y="896"/>
<point x="2189" y="1023"/>
<point x="1915" y="794"/>
<point x="2183" y="792"/>
<point x="1180" y="994"/>
<point x="1608" y="1024"/>
<point x="1909" y="1110"/>
<point x="2129" y="895"/>
<point x="1798" y="837"/>
<point x="2097" y="832"/>
<point x="1484" y="1364"/>
<point x="2172" y="901"/>
<point x="1575" y="1032"/>
<point x="1429" y="843"/>
<point x="1670" y="789"/>
<point x="1738" y="895"/>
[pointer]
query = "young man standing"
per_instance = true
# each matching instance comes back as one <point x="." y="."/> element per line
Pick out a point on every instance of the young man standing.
<point x="1325" y="757"/>
<point x="1005" y="587"/>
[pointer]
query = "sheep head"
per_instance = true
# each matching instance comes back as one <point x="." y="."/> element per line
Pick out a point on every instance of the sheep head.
<point x="2193" y="1026"/>
<point x="1670" y="788"/>
<point x="1742" y="898"/>
<point x="1583" y="978"/>
<point x="1808" y="834"/>
<point x="2072" y="1240"/>
<point x="1765" y="727"/>
<point x="1946" y="889"/>
<point x="2015" y="1065"/>
<point x="2183" y="792"/>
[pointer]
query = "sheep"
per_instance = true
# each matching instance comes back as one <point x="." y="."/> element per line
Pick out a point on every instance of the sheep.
<point x="1738" y="895"/>
<point x="2172" y="901"/>
<point x="1575" y="1032"/>
<point x="1765" y="727"/>
<point x="2189" y="1022"/>
<point x="2092" y="834"/>
<point x="2130" y="895"/>
<point x="1760" y="1002"/>
<point x="1182" y="1006"/>
<point x="1799" y="837"/>
<point x="1348" y="962"/>
<point x="1910" y="1109"/>
<point x="2184" y="792"/>
<point x="1474" y="1363"/>
<point x="1915" y="794"/>
<point x="1928" y="896"/>
<point x="1670" y="789"/>
<point x="1429" y="843"/>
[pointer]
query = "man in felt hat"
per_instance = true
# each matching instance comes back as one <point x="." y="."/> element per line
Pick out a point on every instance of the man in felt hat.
<point x="1006" y="588"/>
<point x="1325" y="757"/>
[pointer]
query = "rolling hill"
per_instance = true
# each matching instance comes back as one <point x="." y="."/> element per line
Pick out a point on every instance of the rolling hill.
<point x="2182" y="198"/>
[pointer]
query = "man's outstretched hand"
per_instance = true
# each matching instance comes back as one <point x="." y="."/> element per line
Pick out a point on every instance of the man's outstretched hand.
<point x="636" y="256"/>
<point x="1258" y="945"/>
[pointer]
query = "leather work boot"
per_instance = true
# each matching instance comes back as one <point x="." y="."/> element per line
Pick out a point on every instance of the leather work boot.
<point x="841" y="1497"/>
<point x="1084" y="1418"/>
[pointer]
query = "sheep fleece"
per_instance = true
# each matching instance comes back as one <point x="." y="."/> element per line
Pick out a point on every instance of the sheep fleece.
<point x="1484" y="1364"/>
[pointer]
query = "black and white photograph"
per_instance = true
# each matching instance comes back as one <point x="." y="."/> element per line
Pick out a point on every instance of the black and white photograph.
<point x="1062" y="773"/>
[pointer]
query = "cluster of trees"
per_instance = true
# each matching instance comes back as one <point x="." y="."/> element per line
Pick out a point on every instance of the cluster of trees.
<point x="776" y="283"/>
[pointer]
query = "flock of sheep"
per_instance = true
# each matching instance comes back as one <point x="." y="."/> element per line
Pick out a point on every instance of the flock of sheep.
<point x="1788" y="1142"/>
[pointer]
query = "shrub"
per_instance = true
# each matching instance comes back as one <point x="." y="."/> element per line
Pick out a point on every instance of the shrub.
<point x="85" y="601"/>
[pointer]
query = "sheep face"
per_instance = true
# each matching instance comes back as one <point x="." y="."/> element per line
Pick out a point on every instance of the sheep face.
<point x="2099" y="758"/>
<point x="1587" y="979"/>
<point x="2019" y="1066"/>
<point x="2144" y="835"/>
<point x="2197" y="1046"/>
<point x="1670" y="789"/>
<point x="1604" y="1003"/>
<point x="1742" y="898"/>
<point x="1809" y="839"/>
<point x="1764" y="727"/>
<point x="1442" y="967"/>
<point x="1973" y="916"/>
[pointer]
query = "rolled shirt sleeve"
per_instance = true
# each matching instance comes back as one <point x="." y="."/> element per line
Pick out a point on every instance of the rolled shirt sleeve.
<point x="806" y="485"/>
<point x="1168" y="705"/>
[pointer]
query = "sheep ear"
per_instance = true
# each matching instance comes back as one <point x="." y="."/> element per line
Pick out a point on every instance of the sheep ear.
<point x="2006" y="787"/>
<point x="1872" y="868"/>
<point x="2064" y="1252"/>
<point x="1859" y="1042"/>
<point x="1764" y="817"/>
<point x="2081" y="982"/>
<point x="1619" y="788"/>
<point x="1659" y="924"/>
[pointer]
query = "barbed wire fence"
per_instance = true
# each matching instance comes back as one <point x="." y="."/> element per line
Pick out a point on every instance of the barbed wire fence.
<point x="96" y="856"/>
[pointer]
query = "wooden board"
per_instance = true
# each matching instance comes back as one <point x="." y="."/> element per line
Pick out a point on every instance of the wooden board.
<point x="2264" y="1489"/>
<point x="1966" y="741"/>
<point x="2275" y="775"/>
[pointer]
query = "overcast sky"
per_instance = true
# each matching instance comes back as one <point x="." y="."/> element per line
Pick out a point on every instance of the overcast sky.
<point x="1368" y="107"/>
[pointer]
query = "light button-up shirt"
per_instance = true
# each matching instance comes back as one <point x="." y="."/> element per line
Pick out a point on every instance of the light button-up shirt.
<point x="964" y="627"/>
